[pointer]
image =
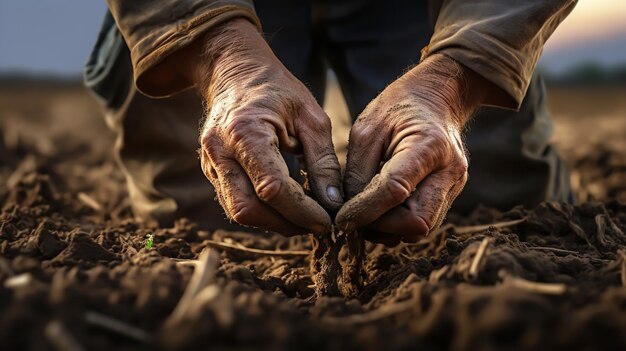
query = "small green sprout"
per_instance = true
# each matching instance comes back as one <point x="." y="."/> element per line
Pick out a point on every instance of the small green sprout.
<point x="149" y="241"/>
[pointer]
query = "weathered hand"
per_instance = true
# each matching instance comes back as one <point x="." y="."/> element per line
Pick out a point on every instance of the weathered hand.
<point x="406" y="158"/>
<point x="254" y="108"/>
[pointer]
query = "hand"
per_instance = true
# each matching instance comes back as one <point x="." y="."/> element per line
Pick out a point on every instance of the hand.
<point x="254" y="108"/>
<point x="406" y="159"/>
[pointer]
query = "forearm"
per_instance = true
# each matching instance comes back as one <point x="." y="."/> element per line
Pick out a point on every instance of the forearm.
<point x="223" y="54"/>
<point x="446" y="85"/>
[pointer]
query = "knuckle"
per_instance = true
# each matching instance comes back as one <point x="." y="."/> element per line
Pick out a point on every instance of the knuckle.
<point x="319" y="122"/>
<point x="354" y="182"/>
<point x="240" y="129"/>
<point x="327" y="164"/>
<point x="354" y="176"/>
<point x="269" y="188"/>
<point x="210" y="152"/>
<point x="441" y="151"/>
<point x="361" y="133"/>
<point x="459" y="169"/>
<point x="243" y="213"/>
<point x="209" y="139"/>
<point x="210" y="173"/>
<point x="399" y="188"/>
<point x="324" y="124"/>
<point x="437" y="140"/>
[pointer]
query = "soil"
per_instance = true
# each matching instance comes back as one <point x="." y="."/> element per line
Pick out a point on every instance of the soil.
<point x="75" y="272"/>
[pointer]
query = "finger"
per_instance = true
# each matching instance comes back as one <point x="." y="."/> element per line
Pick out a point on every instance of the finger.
<point x="322" y="166"/>
<point x="392" y="186"/>
<point x="431" y="205"/>
<point x="424" y="211"/>
<point x="365" y="150"/>
<point x="256" y="150"/>
<point x="242" y="205"/>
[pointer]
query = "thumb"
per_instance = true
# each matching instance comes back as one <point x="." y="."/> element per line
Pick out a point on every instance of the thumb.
<point x="320" y="160"/>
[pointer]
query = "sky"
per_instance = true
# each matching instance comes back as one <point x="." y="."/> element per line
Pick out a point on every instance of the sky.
<point x="48" y="36"/>
<point x="56" y="36"/>
<point x="594" y="31"/>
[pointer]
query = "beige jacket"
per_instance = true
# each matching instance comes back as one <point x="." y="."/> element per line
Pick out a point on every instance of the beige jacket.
<point x="499" y="39"/>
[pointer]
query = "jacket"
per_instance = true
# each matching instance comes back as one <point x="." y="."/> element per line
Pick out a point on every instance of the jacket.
<point x="501" y="40"/>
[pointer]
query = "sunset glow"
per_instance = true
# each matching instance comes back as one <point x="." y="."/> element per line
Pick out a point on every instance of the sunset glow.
<point x="590" y="19"/>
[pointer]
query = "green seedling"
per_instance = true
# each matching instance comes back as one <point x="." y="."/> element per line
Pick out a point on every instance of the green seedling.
<point x="149" y="241"/>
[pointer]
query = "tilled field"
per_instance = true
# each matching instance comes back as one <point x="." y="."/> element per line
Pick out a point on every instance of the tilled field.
<point x="75" y="272"/>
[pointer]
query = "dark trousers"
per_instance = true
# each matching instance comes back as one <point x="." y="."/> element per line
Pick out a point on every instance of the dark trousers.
<point x="368" y="44"/>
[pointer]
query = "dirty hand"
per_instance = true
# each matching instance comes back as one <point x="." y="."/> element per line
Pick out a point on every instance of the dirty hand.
<point x="254" y="108"/>
<point x="406" y="158"/>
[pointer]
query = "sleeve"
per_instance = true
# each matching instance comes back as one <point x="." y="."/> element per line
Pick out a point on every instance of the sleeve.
<point x="501" y="40"/>
<point x="154" y="30"/>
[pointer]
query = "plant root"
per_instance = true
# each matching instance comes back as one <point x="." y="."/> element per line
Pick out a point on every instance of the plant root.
<point x="325" y="264"/>
<point x="331" y="278"/>
<point x="353" y="274"/>
<point x="480" y="228"/>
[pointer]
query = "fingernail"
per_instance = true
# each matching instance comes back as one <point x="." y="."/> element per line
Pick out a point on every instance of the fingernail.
<point x="334" y="194"/>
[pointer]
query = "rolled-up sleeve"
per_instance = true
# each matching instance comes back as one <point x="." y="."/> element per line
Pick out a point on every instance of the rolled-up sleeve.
<point x="154" y="30"/>
<point x="501" y="40"/>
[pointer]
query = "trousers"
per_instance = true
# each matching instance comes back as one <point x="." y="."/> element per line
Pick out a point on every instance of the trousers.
<point x="368" y="44"/>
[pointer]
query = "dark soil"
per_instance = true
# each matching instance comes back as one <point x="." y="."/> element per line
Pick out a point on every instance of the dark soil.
<point x="552" y="281"/>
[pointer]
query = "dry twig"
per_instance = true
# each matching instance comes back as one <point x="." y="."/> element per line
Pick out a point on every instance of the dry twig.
<point x="553" y="249"/>
<point x="479" y="228"/>
<point x="89" y="201"/>
<point x="239" y="247"/>
<point x="18" y="281"/>
<point x="534" y="287"/>
<point x="200" y="291"/>
<point x="473" y="271"/>
<point x="185" y="262"/>
<point x="472" y="228"/>
<point x="203" y="274"/>
<point x="116" y="326"/>
<point x="61" y="338"/>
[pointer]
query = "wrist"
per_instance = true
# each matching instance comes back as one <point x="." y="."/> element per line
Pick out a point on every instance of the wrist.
<point x="442" y="86"/>
<point x="218" y="52"/>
